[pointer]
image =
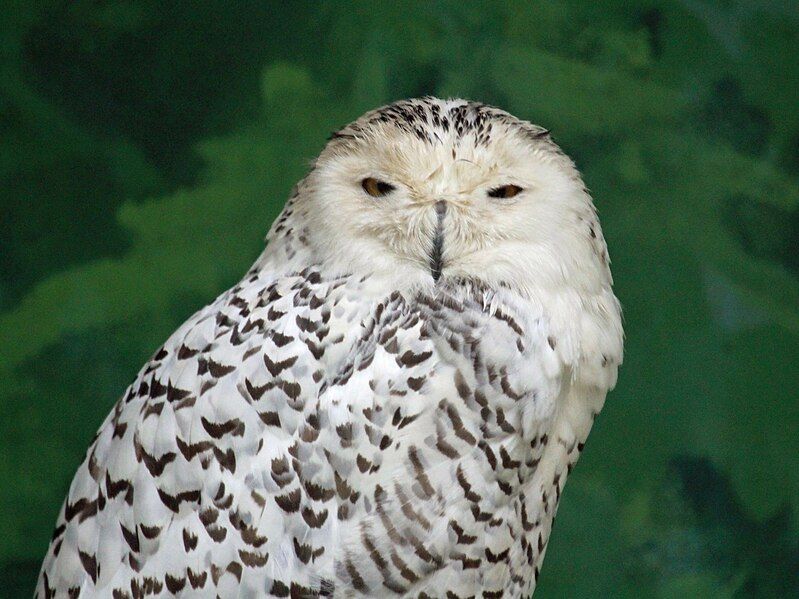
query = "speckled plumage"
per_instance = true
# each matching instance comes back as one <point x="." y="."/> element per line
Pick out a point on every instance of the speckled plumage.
<point x="340" y="423"/>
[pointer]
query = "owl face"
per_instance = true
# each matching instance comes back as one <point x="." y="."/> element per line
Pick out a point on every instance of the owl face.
<point x="429" y="192"/>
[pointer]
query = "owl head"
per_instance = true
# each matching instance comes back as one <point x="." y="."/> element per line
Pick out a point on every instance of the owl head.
<point x="428" y="192"/>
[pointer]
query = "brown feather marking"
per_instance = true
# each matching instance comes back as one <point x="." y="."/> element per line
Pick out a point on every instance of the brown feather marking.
<point x="289" y="503"/>
<point x="89" y="563"/>
<point x="218" y="430"/>
<point x="174" y="584"/>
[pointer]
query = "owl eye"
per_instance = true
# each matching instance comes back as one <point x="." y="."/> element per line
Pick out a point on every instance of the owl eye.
<point x="505" y="191"/>
<point x="376" y="188"/>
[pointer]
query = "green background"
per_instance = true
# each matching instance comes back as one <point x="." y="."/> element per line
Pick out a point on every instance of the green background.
<point x="146" y="146"/>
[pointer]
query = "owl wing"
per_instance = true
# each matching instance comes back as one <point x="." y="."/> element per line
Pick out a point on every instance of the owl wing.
<point x="172" y="495"/>
<point x="593" y="373"/>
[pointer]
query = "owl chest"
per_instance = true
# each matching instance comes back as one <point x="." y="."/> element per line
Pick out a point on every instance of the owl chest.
<point x="452" y="405"/>
<point x="478" y="377"/>
<point x="457" y="378"/>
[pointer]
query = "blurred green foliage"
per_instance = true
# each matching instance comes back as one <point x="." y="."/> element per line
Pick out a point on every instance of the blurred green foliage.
<point x="145" y="148"/>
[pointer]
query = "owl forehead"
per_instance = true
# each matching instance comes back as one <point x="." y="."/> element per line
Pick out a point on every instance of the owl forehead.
<point x="429" y="141"/>
<point x="434" y="122"/>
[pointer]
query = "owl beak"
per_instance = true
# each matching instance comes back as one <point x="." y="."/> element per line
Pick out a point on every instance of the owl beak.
<point x="437" y="254"/>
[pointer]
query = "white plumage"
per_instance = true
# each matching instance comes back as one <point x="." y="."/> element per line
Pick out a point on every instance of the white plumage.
<point x="388" y="403"/>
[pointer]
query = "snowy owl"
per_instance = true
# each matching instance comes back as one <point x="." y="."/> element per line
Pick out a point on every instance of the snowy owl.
<point x="387" y="404"/>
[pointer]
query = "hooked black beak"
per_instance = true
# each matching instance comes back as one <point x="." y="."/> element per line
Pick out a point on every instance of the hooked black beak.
<point x="437" y="255"/>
